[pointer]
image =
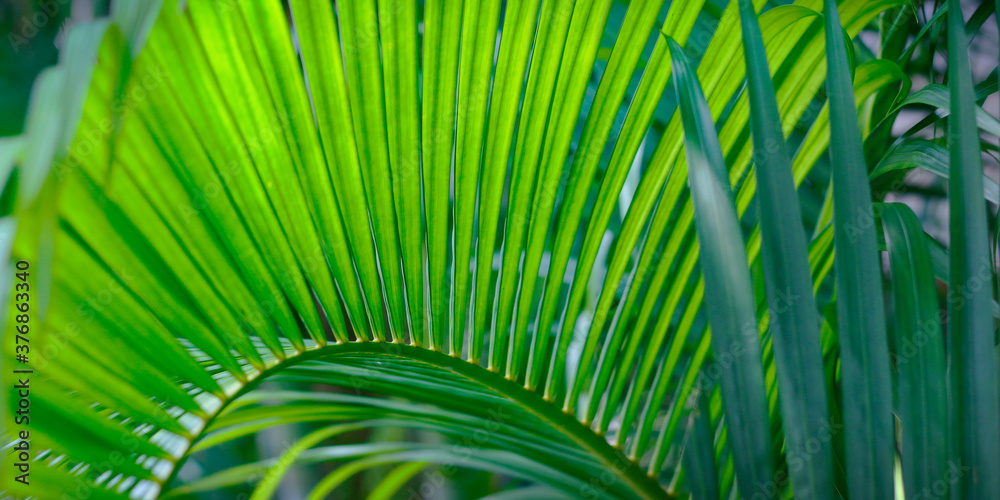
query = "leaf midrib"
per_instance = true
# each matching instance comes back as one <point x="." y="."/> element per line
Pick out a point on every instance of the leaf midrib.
<point x="642" y="484"/>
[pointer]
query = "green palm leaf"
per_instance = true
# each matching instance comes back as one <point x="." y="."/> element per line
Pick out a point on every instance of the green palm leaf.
<point x="793" y="315"/>
<point x="923" y="402"/>
<point x="860" y="314"/>
<point x="474" y="240"/>
<point x="970" y="324"/>
<point x="731" y="306"/>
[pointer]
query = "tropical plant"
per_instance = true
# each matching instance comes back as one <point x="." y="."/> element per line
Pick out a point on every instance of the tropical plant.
<point x="483" y="224"/>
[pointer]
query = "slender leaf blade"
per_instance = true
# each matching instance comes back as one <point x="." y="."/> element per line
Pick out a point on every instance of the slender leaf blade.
<point x="920" y="356"/>
<point x="970" y="321"/>
<point x="794" y="320"/>
<point x="868" y="431"/>
<point x="731" y="304"/>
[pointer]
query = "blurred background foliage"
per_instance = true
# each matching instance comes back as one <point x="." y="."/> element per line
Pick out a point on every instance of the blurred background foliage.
<point x="33" y="31"/>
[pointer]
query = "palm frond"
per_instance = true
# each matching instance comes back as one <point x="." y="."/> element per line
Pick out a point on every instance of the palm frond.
<point x="492" y="223"/>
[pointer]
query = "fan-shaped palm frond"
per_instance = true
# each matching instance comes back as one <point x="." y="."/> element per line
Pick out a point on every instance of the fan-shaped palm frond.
<point x="472" y="219"/>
